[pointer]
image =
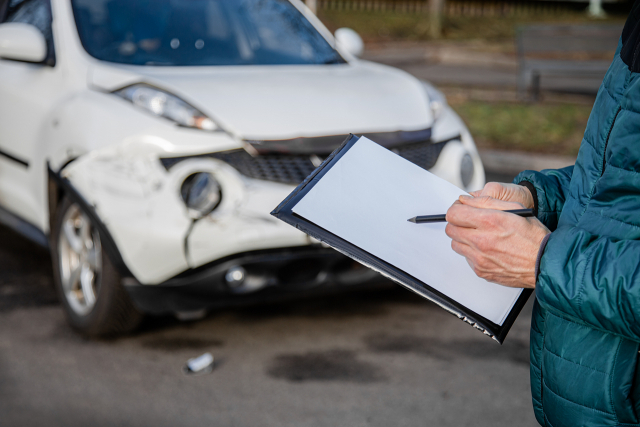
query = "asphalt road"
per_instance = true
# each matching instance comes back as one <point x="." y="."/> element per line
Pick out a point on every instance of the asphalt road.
<point x="375" y="358"/>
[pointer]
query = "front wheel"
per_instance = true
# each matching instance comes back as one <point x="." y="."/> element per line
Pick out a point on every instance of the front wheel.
<point x="88" y="284"/>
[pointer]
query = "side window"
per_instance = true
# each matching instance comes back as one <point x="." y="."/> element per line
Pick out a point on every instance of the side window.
<point x="38" y="14"/>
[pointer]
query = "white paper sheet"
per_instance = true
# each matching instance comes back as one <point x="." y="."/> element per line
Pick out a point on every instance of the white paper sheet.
<point x="366" y="199"/>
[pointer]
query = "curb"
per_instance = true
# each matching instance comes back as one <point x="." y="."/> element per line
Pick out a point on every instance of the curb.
<point x="514" y="162"/>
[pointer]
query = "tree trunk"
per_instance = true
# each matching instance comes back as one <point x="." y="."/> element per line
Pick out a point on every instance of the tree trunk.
<point x="435" y="18"/>
<point x="313" y="5"/>
<point x="595" y="9"/>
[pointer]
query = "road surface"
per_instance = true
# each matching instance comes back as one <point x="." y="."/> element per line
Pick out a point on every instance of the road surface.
<point x="376" y="358"/>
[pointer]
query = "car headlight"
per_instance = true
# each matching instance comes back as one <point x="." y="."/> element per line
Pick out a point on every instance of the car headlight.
<point x="437" y="100"/>
<point x="201" y="194"/>
<point x="164" y="104"/>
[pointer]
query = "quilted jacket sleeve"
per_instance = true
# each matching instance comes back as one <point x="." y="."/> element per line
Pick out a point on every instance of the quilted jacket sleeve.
<point x="593" y="279"/>
<point x="552" y="186"/>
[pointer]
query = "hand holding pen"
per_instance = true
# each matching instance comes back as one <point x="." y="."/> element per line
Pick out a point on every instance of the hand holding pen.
<point x="500" y="247"/>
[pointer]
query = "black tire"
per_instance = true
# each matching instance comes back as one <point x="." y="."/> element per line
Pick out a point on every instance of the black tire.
<point x="113" y="312"/>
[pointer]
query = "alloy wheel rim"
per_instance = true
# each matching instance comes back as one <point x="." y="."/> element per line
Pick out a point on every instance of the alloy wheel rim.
<point x="80" y="254"/>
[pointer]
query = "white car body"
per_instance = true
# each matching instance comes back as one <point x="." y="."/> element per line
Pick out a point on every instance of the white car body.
<point x="66" y="119"/>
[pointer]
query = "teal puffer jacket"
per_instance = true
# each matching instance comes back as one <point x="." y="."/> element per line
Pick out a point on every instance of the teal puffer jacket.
<point x="585" y="330"/>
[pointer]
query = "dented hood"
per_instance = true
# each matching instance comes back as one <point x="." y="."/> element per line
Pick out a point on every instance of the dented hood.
<point x="281" y="102"/>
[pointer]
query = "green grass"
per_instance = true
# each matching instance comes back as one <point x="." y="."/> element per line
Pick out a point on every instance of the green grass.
<point x="380" y="26"/>
<point x="552" y="129"/>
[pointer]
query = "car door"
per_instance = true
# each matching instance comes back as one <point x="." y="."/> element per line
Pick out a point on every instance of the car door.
<point x="27" y="95"/>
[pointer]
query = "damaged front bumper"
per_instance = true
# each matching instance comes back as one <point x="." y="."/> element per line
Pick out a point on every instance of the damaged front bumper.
<point x="254" y="277"/>
<point x="171" y="261"/>
<point x="269" y="260"/>
<point x="137" y="203"/>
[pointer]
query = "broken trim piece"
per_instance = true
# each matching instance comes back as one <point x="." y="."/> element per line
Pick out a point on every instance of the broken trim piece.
<point x="14" y="158"/>
<point x="108" y="244"/>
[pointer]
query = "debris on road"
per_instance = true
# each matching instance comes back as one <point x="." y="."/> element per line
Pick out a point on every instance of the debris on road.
<point x="201" y="365"/>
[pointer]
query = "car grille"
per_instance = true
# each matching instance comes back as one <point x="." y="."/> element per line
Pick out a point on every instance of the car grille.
<point x="294" y="168"/>
<point x="423" y="154"/>
<point x="287" y="168"/>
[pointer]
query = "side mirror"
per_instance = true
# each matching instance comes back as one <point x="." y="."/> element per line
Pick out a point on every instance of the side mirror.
<point x="22" y="42"/>
<point x="350" y="41"/>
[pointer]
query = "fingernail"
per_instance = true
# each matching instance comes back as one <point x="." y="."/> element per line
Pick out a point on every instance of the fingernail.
<point x="466" y="197"/>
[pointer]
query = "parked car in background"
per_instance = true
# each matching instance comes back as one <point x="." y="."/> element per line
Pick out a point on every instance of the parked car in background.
<point x="146" y="141"/>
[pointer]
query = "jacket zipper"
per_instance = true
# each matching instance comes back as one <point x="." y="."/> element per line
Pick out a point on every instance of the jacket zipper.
<point x="606" y="143"/>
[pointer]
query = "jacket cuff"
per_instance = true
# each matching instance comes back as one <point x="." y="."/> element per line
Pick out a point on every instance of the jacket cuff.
<point x="543" y="245"/>
<point x="534" y="194"/>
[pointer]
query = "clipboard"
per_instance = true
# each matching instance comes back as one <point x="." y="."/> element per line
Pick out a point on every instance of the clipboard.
<point x="285" y="212"/>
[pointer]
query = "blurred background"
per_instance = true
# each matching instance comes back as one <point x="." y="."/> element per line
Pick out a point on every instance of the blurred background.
<point x="477" y="53"/>
<point x="523" y="76"/>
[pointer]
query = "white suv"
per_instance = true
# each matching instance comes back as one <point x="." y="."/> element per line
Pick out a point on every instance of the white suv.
<point x="146" y="141"/>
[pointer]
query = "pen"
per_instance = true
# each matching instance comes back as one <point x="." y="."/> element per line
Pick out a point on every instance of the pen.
<point x="443" y="217"/>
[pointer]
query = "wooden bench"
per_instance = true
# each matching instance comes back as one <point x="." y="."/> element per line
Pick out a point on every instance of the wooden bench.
<point x="566" y="50"/>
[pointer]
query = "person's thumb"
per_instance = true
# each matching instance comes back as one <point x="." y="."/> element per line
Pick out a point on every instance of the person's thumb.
<point x="486" y="202"/>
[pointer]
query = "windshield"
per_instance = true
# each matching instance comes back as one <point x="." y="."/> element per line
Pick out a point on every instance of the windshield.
<point x="200" y="32"/>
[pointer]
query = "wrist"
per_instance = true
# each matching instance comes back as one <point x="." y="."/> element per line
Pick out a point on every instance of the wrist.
<point x="530" y="195"/>
<point x="543" y="245"/>
<point x="529" y="198"/>
<point x="536" y="254"/>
